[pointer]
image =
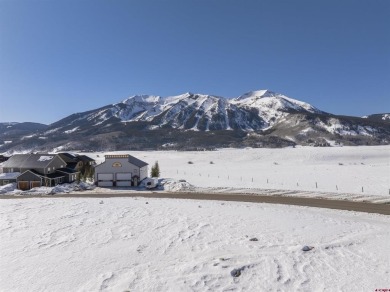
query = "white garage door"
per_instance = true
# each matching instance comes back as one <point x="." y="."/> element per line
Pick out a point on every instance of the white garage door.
<point x="107" y="183"/>
<point x="123" y="183"/>
<point x="123" y="176"/>
<point x="105" y="176"/>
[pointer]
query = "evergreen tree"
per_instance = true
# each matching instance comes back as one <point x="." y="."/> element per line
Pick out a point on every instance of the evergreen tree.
<point x="155" y="171"/>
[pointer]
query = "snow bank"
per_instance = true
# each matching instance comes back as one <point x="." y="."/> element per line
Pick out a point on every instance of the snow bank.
<point x="172" y="185"/>
<point x="7" y="188"/>
<point x="124" y="244"/>
<point x="11" y="189"/>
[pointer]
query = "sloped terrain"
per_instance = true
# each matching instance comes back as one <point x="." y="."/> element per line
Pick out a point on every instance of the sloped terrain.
<point x="195" y="121"/>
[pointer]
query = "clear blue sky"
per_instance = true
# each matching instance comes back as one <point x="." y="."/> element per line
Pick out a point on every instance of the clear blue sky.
<point x="65" y="56"/>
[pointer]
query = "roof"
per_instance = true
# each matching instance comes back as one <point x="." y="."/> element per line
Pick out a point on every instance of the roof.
<point x="136" y="161"/>
<point x="68" y="158"/>
<point x="131" y="159"/>
<point x="10" y="175"/>
<point x="55" y="175"/>
<point x="29" y="160"/>
<point x="85" y="158"/>
<point x="67" y="170"/>
<point x="33" y="172"/>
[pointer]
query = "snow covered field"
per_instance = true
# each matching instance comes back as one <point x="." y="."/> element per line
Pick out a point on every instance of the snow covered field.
<point x="363" y="171"/>
<point x="138" y="244"/>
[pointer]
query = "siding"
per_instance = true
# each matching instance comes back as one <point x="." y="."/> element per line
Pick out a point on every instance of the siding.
<point x="28" y="176"/>
<point x="107" y="167"/>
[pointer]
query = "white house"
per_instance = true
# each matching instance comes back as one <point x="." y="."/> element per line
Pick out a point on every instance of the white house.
<point x="120" y="171"/>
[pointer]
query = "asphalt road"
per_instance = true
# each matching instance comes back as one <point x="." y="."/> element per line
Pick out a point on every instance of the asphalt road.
<point x="296" y="201"/>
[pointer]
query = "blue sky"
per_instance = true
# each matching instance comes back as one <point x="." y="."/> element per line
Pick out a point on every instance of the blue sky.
<point x="61" y="57"/>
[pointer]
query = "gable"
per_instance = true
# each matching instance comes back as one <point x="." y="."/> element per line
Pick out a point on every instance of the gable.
<point x="29" y="175"/>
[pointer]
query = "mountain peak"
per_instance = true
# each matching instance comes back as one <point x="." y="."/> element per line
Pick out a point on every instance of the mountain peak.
<point x="141" y="98"/>
<point x="257" y="94"/>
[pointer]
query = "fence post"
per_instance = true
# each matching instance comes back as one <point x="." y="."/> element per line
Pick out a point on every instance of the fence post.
<point x="316" y="185"/>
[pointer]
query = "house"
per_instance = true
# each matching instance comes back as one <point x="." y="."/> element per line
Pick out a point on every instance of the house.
<point x="7" y="178"/>
<point x="39" y="170"/>
<point x="41" y="163"/>
<point x="79" y="163"/>
<point x="3" y="158"/>
<point x="121" y="171"/>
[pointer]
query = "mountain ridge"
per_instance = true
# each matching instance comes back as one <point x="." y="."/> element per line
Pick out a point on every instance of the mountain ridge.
<point x="260" y="118"/>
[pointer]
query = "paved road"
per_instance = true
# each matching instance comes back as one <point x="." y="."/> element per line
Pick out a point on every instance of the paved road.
<point x="297" y="201"/>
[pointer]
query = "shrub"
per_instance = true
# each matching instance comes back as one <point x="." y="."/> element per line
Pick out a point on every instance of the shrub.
<point x="155" y="171"/>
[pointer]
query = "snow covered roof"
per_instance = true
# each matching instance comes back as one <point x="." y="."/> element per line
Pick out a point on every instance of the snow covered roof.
<point x="137" y="161"/>
<point x="29" y="160"/>
<point x="10" y="175"/>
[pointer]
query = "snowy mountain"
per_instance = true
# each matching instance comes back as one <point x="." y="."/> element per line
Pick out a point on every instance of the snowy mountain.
<point x="189" y="121"/>
<point x="252" y="111"/>
<point x="378" y="117"/>
<point x="13" y="130"/>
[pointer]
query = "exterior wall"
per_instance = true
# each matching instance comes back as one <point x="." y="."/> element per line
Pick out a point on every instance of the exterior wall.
<point x="9" y="169"/>
<point x="54" y="164"/>
<point x="68" y="177"/>
<point x="116" y="165"/>
<point x="143" y="172"/>
<point x="15" y="169"/>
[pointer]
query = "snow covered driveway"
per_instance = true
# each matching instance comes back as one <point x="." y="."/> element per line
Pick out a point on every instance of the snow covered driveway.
<point x="146" y="244"/>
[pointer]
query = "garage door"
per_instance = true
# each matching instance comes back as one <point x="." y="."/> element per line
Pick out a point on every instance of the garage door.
<point x="123" y="183"/>
<point x="107" y="183"/>
<point x="23" y="185"/>
<point x="105" y="176"/>
<point x="123" y="176"/>
<point x="35" y="184"/>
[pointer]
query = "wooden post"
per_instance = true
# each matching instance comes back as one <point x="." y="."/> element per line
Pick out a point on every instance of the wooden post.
<point x="316" y="185"/>
<point x="337" y="187"/>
